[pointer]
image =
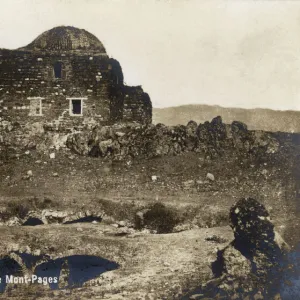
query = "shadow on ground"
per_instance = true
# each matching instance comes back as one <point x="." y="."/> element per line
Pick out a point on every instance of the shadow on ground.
<point x="71" y="271"/>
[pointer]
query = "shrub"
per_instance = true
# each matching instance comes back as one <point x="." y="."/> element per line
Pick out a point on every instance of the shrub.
<point x="119" y="211"/>
<point x="35" y="203"/>
<point x="17" y="209"/>
<point x="20" y="208"/>
<point x="159" y="218"/>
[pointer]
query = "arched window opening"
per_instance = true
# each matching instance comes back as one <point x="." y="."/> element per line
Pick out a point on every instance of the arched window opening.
<point x="58" y="69"/>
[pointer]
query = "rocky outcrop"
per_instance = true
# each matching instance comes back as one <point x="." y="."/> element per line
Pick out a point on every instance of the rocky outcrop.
<point x="251" y="265"/>
<point x="48" y="216"/>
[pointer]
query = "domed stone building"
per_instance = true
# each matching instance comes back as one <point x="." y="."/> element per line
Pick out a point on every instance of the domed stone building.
<point x="65" y="79"/>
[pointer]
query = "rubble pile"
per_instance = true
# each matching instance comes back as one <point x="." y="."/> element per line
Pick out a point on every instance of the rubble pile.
<point x="137" y="141"/>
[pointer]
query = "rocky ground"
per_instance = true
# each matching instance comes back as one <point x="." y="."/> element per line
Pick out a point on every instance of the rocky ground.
<point x="197" y="172"/>
<point x="151" y="266"/>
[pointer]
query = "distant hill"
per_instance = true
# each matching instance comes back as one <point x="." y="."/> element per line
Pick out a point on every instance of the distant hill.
<point x="259" y="119"/>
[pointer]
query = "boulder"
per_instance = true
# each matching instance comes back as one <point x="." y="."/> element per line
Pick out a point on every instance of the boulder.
<point x="121" y="224"/>
<point x="105" y="147"/>
<point x="265" y="141"/>
<point x="191" y="142"/>
<point x="120" y="134"/>
<point x="192" y="126"/>
<point x="237" y="126"/>
<point x="197" y="297"/>
<point x="154" y="178"/>
<point x="251" y="263"/>
<point x="235" y="263"/>
<point x="251" y="224"/>
<point x="79" y="143"/>
<point x="217" y="121"/>
<point x="210" y="177"/>
<point x="14" y="221"/>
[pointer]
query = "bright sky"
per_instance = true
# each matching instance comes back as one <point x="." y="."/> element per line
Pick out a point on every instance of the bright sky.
<point x="232" y="53"/>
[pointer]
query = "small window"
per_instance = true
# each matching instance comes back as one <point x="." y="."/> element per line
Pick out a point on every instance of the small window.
<point x="35" y="108"/>
<point x="58" y="69"/>
<point x="76" y="106"/>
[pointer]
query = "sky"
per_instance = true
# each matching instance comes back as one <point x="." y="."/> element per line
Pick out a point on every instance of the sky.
<point x="238" y="53"/>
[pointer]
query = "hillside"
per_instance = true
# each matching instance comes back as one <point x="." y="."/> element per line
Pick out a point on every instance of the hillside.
<point x="256" y="119"/>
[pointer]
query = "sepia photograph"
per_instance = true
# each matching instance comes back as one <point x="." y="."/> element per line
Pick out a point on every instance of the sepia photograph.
<point x="150" y="149"/>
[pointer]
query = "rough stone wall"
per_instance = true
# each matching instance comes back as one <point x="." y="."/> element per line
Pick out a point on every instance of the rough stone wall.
<point x="116" y="91"/>
<point x="137" y="105"/>
<point x="90" y="75"/>
<point x="25" y="74"/>
<point x="136" y="141"/>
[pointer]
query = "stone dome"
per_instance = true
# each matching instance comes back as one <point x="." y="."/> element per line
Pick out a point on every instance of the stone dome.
<point x="64" y="38"/>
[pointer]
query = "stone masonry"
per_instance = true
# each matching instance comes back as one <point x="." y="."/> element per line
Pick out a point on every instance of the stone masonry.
<point x="65" y="78"/>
